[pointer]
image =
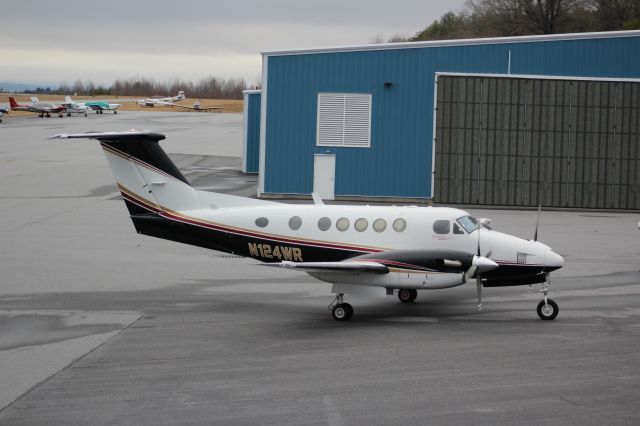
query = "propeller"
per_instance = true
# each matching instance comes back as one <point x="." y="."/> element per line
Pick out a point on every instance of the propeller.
<point x="480" y="264"/>
<point x="535" y="234"/>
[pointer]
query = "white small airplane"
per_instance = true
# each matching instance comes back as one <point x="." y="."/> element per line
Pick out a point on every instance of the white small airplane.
<point x="167" y="101"/>
<point x="197" y="107"/>
<point x="72" y="107"/>
<point x="397" y="249"/>
<point x="4" y="109"/>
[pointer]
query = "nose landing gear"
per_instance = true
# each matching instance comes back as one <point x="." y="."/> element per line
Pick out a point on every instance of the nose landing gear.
<point x="547" y="309"/>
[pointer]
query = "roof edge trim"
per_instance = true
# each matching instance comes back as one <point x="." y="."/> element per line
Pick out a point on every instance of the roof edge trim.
<point x="457" y="42"/>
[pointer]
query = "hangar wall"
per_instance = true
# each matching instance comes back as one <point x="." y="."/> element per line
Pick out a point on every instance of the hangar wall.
<point x="530" y="141"/>
<point x="399" y="78"/>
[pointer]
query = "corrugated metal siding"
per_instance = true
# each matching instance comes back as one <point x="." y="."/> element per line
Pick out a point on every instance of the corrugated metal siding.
<point x="529" y="142"/>
<point x="251" y="151"/>
<point x="398" y="164"/>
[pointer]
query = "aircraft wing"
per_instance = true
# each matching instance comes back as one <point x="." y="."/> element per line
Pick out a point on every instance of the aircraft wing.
<point x="199" y="108"/>
<point x="447" y="261"/>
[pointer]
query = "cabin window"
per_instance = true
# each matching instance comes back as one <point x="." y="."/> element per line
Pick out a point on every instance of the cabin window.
<point x="295" y="222"/>
<point x="441" y="226"/>
<point x="361" y="224"/>
<point x="379" y="225"/>
<point x="324" y="223"/>
<point x="399" y="225"/>
<point x="342" y="224"/>
<point x="262" y="222"/>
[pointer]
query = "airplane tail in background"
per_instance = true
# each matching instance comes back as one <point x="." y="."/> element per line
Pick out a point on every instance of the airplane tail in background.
<point x="35" y="100"/>
<point x="12" y="102"/>
<point x="68" y="100"/>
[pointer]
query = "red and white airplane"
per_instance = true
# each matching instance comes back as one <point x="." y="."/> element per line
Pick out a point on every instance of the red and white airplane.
<point x="353" y="247"/>
<point x="44" y="109"/>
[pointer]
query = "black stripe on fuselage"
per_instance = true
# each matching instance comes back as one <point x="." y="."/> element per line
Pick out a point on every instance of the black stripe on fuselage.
<point x="263" y="249"/>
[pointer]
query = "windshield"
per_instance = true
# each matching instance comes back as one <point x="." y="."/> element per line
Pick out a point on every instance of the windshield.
<point x="469" y="223"/>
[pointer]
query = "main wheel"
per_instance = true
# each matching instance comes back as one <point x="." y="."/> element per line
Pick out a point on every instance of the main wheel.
<point x="407" y="296"/>
<point x="115" y="112"/>
<point x="547" y="311"/>
<point x="342" y="312"/>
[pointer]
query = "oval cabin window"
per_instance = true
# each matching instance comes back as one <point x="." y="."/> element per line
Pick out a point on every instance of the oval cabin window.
<point x="361" y="224"/>
<point x="324" y="223"/>
<point x="379" y="225"/>
<point x="399" y="225"/>
<point x="342" y="224"/>
<point x="262" y="222"/>
<point x="295" y="222"/>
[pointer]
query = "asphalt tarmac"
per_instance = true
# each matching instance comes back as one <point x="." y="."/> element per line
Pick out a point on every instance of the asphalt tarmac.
<point x="99" y="325"/>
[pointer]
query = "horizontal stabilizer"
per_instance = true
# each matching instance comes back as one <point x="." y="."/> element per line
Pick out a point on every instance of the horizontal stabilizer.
<point x="112" y="136"/>
<point x="346" y="266"/>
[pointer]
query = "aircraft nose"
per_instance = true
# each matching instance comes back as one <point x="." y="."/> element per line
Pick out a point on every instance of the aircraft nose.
<point x="553" y="260"/>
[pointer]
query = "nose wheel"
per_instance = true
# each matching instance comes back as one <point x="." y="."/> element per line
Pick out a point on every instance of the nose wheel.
<point x="340" y="311"/>
<point x="547" y="309"/>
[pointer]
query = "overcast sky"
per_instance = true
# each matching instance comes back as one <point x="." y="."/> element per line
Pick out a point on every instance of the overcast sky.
<point x="55" y="41"/>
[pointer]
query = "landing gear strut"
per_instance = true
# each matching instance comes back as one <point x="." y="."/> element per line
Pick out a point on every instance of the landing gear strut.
<point x="407" y="296"/>
<point x="339" y="310"/>
<point x="547" y="308"/>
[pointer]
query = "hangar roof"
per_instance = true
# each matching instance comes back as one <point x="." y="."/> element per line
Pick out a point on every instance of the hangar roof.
<point x="453" y="43"/>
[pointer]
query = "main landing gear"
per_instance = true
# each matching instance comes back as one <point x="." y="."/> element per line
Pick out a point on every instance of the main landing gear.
<point x="547" y="308"/>
<point x="407" y="296"/>
<point x="339" y="310"/>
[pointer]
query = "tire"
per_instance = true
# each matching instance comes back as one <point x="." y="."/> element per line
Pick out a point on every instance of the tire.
<point x="549" y="311"/>
<point x="342" y="312"/>
<point x="407" y="296"/>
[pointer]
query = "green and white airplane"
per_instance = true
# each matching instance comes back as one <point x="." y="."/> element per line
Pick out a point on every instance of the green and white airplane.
<point x="97" y="106"/>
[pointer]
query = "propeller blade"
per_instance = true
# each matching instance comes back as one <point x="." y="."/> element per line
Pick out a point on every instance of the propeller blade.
<point x="535" y="234"/>
<point x="479" y="290"/>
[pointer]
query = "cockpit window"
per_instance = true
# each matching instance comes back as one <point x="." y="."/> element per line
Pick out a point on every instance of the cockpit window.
<point x="469" y="223"/>
<point x="441" y="226"/>
<point x="457" y="229"/>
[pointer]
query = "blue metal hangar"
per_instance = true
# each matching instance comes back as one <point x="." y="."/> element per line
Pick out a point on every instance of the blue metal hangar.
<point x="549" y="120"/>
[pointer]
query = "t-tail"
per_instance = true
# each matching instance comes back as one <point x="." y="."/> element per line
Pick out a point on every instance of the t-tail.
<point x="159" y="198"/>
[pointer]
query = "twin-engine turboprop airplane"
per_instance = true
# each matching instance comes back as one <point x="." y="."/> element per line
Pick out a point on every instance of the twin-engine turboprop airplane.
<point x="400" y="249"/>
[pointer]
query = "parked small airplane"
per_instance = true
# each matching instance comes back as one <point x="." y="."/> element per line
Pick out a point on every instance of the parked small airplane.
<point x="44" y="109"/>
<point x="197" y="106"/>
<point x="400" y="249"/>
<point x="167" y="101"/>
<point x="4" y="109"/>
<point x="72" y="107"/>
<point x="97" y="106"/>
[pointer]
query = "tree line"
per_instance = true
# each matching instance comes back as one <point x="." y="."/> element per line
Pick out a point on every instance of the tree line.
<point x="207" y="88"/>
<point x="506" y="18"/>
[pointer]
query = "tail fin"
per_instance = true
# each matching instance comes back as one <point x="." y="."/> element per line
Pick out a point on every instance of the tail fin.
<point x="35" y="100"/>
<point x="68" y="99"/>
<point x="12" y="102"/>
<point x="147" y="178"/>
